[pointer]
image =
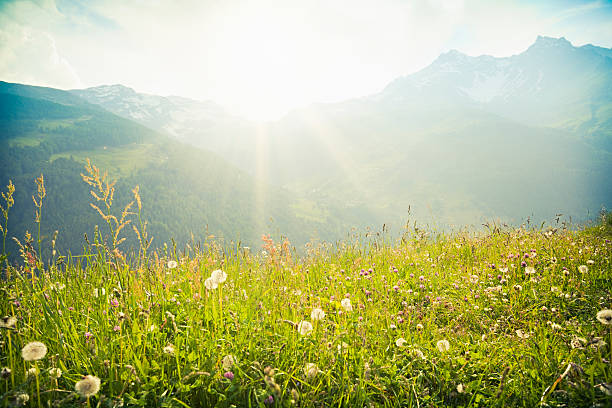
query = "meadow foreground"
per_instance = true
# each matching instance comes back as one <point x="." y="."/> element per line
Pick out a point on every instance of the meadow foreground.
<point x="515" y="317"/>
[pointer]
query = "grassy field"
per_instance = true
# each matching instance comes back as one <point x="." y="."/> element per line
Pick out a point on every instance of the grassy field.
<point x="510" y="318"/>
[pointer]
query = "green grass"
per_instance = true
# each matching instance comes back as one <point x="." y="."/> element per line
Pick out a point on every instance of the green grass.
<point x="511" y="333"/>
<point x="121" y="161"/>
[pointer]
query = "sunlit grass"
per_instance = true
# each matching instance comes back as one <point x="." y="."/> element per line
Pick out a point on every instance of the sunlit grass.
<point x="507" y="318"/>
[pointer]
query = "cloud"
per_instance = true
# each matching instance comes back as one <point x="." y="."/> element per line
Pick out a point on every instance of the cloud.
<point x="29" y="55"/>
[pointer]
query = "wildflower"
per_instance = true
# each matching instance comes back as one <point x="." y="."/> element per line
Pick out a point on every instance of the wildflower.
<point x="346" y="304"/>
<point x="400" y="342"/>
<point x="5" y="372"/>
<point x="443" y="345"/>
<point x="169" y="349"/>
<point x="460" y="388"/>
<point x="117" y="328"/>
<point x="518" y="288"/>
<point x="218" y="276"/>
<point x="211" y="284"/>
<point x="419" y="326"/>
<point x="304" y="327"/>
<point x="33" y="351"/>
<point x="55" y="373"/>
<point x="32" y="372"/>
<point x="521" y="334"/>
<point x="605" y="388"/>
<point x="416" y="353"/>
<point x="317" y="314"/>
<point x="577" y="342"/>
<point x="590" y="262"/>
<point x="229" y="375"/>
<point x="530" y="270"/>
<point x="88" y="386"/>
<point x="21" y="398"/>
<point x="228" y="362"/>
<point x="311" y="370"/>
<point x="172" y="264"/>
<point x="269" y="400"/>
<point x="583" y="269"/>
<point x="88" y="335"/>
<point x="556" y="326"/>
<point x="114" y="302"/>
<point x="605" y="316"/>
<point x="8" y="322"/>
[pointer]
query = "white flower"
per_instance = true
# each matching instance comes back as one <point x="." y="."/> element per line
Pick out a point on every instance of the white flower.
<point x="311" y="370"/>
<point x="88" y="386"/>
<point x="605" y="316"/>
<point x="503" y="270"/>
<point x="530" y="270"/>
<point x="218" y="276"/>
<point x="32" y="372"/>
<point x="401" y="342"/>
<point x="460" y="388"/>
<point x="34" y="351"/>
<point x="346" y="304"/>
<point x="521" y="334"/>
<point x="583" y="269"/>
<point x="419" y="326"/>
<point x="577" y="342"/>
<point x="169" y="349"/>
<point x="55" y="373"/>
<point x="8" y="322"/>
<point x="228" y="362"/>
<point x="590" y="262"/>
<point x="443" y="345"/>
<point x="172" y="264"/>
<point x="304" y="327"/>
<point x="317" y="314"/>
<point x="211" y="284"/>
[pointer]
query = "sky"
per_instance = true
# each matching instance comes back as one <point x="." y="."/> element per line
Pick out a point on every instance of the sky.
<point x="264" y="58"/>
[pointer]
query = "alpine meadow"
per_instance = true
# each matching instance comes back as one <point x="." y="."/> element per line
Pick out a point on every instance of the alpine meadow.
<point x="350" y="204"/>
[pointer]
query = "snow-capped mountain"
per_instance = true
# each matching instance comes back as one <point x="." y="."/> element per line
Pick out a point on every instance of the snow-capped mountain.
<point x="177" y="116"/>
<point x="550" y="83"/>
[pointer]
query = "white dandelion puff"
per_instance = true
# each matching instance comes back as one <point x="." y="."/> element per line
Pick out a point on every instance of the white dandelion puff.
<point x="530" y="270"/>
<point x="228" y="362"/>
<point x="605" y="316"/>
<point x="218" y="276"/>
<point x="34" y="351"/>
<point x="443" y="346"/>
<point x="172" y="264"/>
<point x="311" y="370"/>
<point x="317" y="314"/>
<point x="88" y="386"/>
<point x="169" y="349"/>
<point x="583" y="269"/>
<point x="55" y="373"/>
<point x="401" y="342"/>
<point x="211" y="284"/>
<point x="304" y="327"/>
<point x="346" y="304"/>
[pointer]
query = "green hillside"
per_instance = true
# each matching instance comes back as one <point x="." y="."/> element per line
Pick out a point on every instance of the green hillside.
<point x="187" y="192"/>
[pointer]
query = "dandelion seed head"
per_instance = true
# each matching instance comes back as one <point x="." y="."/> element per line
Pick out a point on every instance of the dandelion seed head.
<point x="311" y="370"/>
<point x="304" y="327"/>
<point x="443" y="346"/>
<point x="88" y="386"/>
<point x="583" y="269"/>
<point x="317" y="314"/>
<point x="346" y="304"/>
<point x="401" y="342"/>
<point x="55" y="373"/>
<point x="34" y="350"/>
<point x="605" y="316"/>
<point x="211" y="284"/>
<point x="172" y="264"/>
<point x="228" y="362"/>
<point x="169" y="349"/>
<point x="218" y="276"/>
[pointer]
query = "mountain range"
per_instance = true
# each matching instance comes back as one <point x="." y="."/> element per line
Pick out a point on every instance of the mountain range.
<point x="464" y="140"/>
